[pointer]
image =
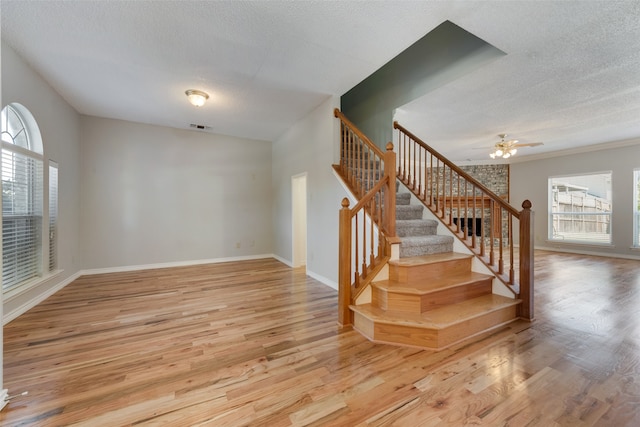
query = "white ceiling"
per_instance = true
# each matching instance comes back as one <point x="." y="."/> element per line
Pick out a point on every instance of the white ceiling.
<point x="570" y="76"/>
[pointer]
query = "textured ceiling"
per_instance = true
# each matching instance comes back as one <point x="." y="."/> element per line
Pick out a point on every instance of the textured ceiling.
<point x="570" y="76"/>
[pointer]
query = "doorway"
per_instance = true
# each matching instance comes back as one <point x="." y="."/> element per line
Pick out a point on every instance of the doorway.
<point x="299" y="219"/>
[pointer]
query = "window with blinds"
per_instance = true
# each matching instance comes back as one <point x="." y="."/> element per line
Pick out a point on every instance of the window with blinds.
<point x="22" y="196"/>
<point x="53" y="215"/>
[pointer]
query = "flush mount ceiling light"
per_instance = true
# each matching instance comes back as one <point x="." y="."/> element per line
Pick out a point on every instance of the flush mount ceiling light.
<point x="197" y="97"/>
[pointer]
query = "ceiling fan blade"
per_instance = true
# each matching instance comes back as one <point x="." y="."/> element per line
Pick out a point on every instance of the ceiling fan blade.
<point x="529" y="144"/>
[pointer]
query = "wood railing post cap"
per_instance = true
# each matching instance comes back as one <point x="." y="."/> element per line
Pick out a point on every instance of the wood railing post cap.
<point x="389" y="146"/>
<point x="345" y="203"/>
<point x="526" y="204"/>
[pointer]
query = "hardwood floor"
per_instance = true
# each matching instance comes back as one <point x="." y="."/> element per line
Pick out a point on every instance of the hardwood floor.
<point x="256" y="343"/>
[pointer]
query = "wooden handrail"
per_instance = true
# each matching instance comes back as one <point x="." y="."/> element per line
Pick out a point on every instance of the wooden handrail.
<point x="468" y="209"/>
<point x="370" y="194"/>
<point x="364" y="229"/>
<point x="459" y="171"/>
<point x="338" y="114"/>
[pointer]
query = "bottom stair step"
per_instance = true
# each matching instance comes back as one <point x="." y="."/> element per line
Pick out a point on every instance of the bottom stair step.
<point x="438" y="328"/>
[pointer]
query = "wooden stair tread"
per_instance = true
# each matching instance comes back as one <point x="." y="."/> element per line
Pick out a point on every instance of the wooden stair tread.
<point x="434" y="285"/>
<point x="439" y="318"/>
<point x="429" y="259"/>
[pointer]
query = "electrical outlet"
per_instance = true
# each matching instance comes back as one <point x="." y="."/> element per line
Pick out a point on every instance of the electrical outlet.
<point x="238" y="245"/>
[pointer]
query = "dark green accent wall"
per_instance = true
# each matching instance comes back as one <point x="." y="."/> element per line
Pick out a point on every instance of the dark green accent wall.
<point x="443" y="55"/>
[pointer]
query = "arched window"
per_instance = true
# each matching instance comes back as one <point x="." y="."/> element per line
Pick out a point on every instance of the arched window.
<point x="22" y="196"/>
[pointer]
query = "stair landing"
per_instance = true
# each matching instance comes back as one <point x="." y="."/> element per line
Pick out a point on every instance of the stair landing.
<point x="432" y="302"/>
<point x="437" y="329"/>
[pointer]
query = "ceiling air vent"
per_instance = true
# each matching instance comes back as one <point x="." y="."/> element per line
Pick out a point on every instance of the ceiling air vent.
<point x="199" y="127"/>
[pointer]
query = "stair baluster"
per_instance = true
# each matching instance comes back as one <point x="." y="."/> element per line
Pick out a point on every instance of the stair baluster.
<point x="477" y="199"/>
<point x="370" y="175"/>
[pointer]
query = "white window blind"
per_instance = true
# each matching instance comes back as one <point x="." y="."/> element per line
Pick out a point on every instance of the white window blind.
<point x="22" y="197"/>
<point x="21" y="218"/>
<point x="53" y="215"/>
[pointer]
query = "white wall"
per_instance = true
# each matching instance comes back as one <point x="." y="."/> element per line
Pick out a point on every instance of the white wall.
<point x="529" y="180"/>
<point x="153" y="195"/>
<point x="59" y="125"/>
<point x="311" y="146"/>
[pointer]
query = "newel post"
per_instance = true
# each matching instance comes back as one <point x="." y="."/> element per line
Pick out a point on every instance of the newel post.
<point x="390" y="193"/>
<point x="344" y="265"/>
<point x="526" y="260"/>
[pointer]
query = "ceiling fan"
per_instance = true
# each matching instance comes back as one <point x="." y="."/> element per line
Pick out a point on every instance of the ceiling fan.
<point x="506" y="149"/>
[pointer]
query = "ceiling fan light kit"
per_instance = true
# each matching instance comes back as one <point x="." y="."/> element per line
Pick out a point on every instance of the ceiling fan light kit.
<point x="506" y="149"/>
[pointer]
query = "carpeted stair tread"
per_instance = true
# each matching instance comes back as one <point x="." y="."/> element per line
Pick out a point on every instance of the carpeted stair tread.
<point x="403" y="199"/>
<point x="430" y="259"/>
<point x="419" y="240"/>
<point x="416" y="227"/>
<point x="422" y="245"/>
<point x="418" y="221"/>
<point x="409" y="212"/>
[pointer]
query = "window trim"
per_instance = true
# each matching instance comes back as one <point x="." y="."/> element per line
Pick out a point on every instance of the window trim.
<point x="550" y="213"/>
<point x="32" y="155"/>
<point x="53" y="213"/>
<point x="635" y="244"/>
<point x="27" y="285"/>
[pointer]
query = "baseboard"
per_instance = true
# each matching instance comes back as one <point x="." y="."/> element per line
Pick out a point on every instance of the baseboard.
<point x="592" y="253"/>
<point x="284" y="261"/>
<point x="323" y="280"/>
<point x="4" y="395"/>
<point x="8" y="317"/>
<point x="127" y="268"/>
<point x="310" y="273"/>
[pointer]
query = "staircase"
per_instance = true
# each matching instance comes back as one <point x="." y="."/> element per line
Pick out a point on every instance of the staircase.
<point x="432" y="299"/>
<point x="399" y="280"/>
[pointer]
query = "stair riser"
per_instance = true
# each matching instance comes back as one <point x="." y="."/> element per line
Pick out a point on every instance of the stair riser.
<point x="457" y="294"/>
<point x="396" y="334"/>
<point x="424" y="229"/>
<point x="435" y="339"/>
<point x="408" y="212"/>
<point x="410" y="251"/>
<point x="422" y="272"/>
<point x="471" y="327"/>
<point x="389" y="299"/>
<point x="403" y="199"/>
